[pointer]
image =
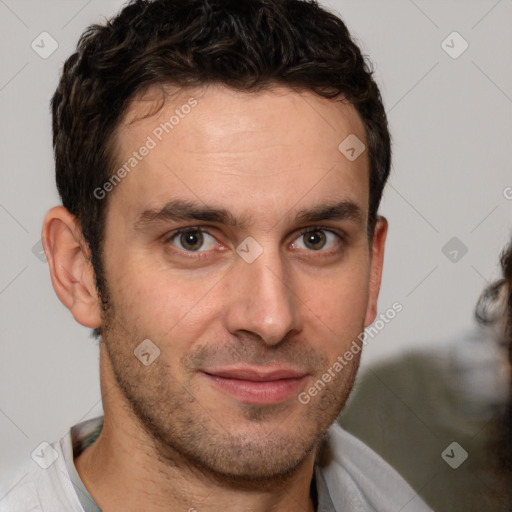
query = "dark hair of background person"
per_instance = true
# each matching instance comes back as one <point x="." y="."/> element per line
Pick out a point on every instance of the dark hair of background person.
<point x="495" y="308"/>
<point x="247" y="45"/>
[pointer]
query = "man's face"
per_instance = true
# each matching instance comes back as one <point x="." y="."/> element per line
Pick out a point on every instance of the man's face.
<point x="247" y="311"/>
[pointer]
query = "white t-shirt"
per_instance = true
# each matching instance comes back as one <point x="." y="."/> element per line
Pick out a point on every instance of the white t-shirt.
<point x="349" y="477"/>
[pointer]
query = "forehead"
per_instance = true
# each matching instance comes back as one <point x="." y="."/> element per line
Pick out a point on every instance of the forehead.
<point x="233" y="111"/>
<point x="245" y="148"/>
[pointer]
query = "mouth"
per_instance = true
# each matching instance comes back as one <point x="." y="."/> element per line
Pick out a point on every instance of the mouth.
<point x="257" y="385"/>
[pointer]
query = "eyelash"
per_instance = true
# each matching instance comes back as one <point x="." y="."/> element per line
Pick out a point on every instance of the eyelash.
<point x="203" y="254"/>
<point x="189" y="254"/>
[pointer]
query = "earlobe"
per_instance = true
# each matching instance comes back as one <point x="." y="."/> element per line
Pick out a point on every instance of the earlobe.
<point x="71" y="272"/>
<point x="377" y="262"/>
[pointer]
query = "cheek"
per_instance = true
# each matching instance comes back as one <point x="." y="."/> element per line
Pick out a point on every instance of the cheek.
<point x="156" y="302"/>
<point x="338" y="299"/>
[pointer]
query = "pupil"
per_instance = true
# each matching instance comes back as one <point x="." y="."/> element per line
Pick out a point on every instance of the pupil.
<point x="192" y="241"/>
<point x="314" y="238"/>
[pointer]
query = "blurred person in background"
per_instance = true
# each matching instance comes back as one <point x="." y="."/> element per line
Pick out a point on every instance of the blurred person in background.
<point x="442" y="416"/>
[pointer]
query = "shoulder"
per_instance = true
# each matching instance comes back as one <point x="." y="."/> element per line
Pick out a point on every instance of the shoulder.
<point x="43" y="484"/>
<point x="20" y="495"/>
<point x="358" y="479"/>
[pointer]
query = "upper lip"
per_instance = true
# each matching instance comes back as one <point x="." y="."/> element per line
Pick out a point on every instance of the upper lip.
<point x="257" y="374"/>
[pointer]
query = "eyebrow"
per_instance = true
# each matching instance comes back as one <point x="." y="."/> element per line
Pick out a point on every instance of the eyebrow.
<point x="184" y="210"/>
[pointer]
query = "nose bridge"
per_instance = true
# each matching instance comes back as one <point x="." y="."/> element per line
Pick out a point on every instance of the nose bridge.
<point x="264" y="302"/>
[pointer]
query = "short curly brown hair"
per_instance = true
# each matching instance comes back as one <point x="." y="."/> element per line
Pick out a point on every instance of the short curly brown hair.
<point x="494" y="307"/>
<point x="248" y="45"/>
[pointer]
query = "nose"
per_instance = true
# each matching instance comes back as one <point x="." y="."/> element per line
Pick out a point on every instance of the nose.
<point x="262" y="301"/>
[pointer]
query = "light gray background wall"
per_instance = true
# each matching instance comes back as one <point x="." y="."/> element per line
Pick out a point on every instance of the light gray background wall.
<point x="452" y="177"/>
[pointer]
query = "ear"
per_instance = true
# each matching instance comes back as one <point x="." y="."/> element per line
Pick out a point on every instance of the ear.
<point x="376" y="264"/>
<point x="70" y="268"/>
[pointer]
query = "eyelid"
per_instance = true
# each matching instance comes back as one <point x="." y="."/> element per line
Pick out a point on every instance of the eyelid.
<point x="332" y="230"/>
<point x="169" y="237"/>
<point x="173" y="234"/>
<point x="339" y="234"/>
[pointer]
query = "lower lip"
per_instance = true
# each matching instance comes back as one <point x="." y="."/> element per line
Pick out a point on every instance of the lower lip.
<point x="256" y="392"/>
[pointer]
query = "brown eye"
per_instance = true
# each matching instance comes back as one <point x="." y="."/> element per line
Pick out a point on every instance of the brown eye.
<point x="314" y="240"/>
<point x="317" y="240"/>
<point x="193" y="240"/>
